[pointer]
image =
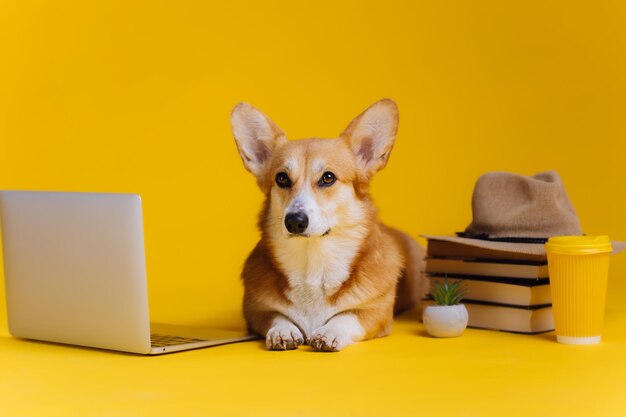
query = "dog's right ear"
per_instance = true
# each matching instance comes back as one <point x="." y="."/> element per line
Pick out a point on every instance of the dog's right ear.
<point x="256" y="136"/>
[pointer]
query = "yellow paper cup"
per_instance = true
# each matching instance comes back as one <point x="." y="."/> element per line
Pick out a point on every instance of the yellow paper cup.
<point x="578" y="267"/>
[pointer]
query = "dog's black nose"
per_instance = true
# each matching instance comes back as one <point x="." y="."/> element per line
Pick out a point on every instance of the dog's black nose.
<point x="296" y="222"/>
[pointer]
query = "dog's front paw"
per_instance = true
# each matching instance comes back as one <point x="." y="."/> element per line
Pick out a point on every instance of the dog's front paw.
<point x="283" y="337"/>
<point x="328" y="339"/>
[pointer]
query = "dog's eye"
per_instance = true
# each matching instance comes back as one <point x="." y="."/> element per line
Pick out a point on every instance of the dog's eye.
<point x="282" y="180"/>
<point x="328" y="178"/>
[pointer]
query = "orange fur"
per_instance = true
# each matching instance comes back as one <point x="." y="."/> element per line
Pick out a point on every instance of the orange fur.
<point x="330" y="287"/>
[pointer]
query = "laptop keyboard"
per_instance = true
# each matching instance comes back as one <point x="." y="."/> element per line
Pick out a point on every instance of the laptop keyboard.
<point x="161" y="340"/>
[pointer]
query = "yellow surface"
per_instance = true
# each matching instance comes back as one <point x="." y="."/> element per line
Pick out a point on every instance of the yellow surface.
<point x="482" y="373"/>
<point x="135" y="96"/>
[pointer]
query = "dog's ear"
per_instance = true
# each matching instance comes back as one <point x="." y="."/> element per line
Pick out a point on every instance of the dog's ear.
<point x="256" y="136"/>
<point x="371" y="135"/>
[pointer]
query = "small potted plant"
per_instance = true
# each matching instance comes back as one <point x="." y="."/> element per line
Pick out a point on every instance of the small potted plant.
<point x="448" y="318"/>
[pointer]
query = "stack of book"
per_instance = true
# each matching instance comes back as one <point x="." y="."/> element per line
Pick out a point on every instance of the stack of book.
<point x="506" y="291"/>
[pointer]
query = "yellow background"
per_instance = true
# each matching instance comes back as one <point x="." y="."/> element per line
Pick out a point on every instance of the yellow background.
<point x="132" y="96"/>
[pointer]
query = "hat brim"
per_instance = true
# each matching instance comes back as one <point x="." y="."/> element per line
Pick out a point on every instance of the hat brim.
<point x="525" y="248"/>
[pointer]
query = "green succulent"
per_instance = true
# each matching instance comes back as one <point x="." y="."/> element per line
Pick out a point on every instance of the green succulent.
<point x="448" y="293"/>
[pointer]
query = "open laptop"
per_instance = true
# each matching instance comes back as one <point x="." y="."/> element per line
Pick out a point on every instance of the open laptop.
<point x="75" y="272"/>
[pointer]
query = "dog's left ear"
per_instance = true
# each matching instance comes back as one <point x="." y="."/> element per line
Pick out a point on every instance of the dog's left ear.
<point x="371" y="135"/>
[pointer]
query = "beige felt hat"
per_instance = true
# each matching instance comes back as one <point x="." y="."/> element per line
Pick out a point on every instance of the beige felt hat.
<point x="517" y="213"/>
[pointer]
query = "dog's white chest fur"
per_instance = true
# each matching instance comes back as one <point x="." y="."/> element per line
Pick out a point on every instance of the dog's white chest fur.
<point x="316" y="268"/>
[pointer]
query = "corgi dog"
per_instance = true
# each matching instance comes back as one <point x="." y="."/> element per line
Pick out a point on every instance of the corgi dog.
<point x="326" y="271"/>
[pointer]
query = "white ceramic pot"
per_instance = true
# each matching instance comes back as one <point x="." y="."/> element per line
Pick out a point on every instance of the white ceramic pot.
<point x="445" y="321"/>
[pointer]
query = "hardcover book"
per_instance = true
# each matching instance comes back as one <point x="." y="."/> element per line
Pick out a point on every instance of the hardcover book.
<point x="485" y="267"/>
<point x="445" y="249"/>
<point x="517" y="292"/>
